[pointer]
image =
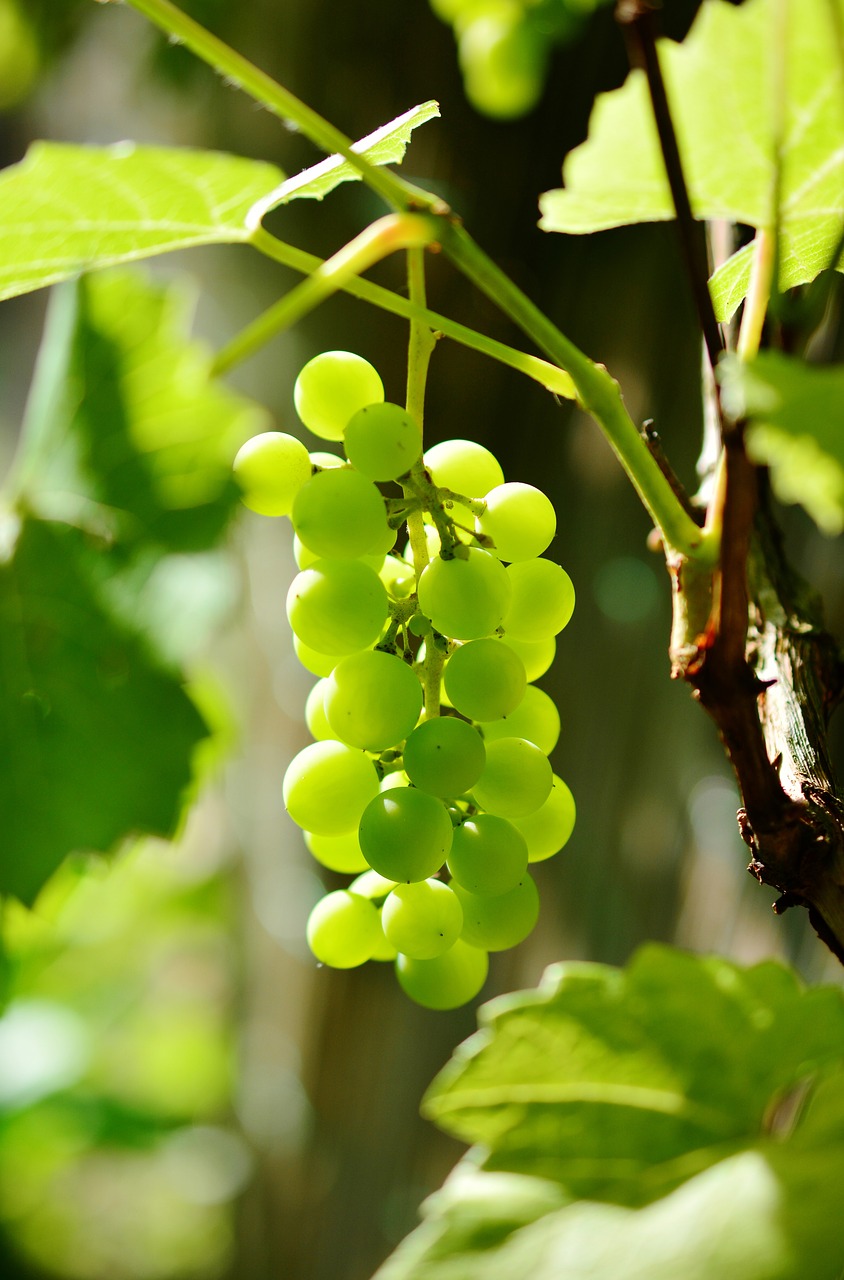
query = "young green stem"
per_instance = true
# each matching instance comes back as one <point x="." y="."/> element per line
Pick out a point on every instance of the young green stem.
<point x="547" y="375"/>
<point x="421" y="343"/>
<point x="598" y="393"/>
<point x="243" y="74"/>
<point x="395" y="231"/>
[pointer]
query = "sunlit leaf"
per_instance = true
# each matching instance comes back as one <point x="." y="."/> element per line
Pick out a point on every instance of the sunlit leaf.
<point x="96" y="736"/>
<point x="66" y="209"/>
<point x="125" y="424"/>
<point x="386" y="145"/>
<point x="603" y="1079"/>
<point x="726" y="98"/>
<point x="795" y="413"/>
<point x="761" y="1215"/>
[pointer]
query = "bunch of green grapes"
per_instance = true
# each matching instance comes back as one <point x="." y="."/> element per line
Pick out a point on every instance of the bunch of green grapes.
<point x="428" y="779"/>
<point x="504" y="47"/>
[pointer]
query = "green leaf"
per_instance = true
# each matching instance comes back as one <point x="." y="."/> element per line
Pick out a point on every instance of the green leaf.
<point x="386" y="145"/>
<point x="95" y="735"/>
<point x="795" y="412"/>
<point x="722" y="86"/>
<point x="769" y="1214"/>
<point x="619" y="1084"/>
<point x="66" y="209"/>
<point x="125" y="425"/>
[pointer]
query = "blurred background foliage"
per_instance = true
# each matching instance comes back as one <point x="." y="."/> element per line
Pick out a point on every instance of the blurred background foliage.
<point x="182" y="1092"/>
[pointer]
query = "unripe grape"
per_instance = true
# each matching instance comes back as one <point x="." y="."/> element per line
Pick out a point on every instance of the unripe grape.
<point x="382" y="441"/>
<point x="343" y="930"/>
<point x="542" y="601"/>
<point x="516" y="780"/>
<point x="537" y="655"/>
<point x="499" y="922"/>
<point x="422" y="920"/>
<point x="372" y="700"/>
<point x="405" y="834"/>
<point x="327" y="786"/>
<point x="319" y="664"/>
<point x="536" y="719"/>
<point x="484" y="679"/>
<point x="548" y="828"/>
<point x="488" y="855"/>
<point x="271" y="468"/>
<point x="337" y="606"/>
<point x="340" y="515"/>
<point x="503" y="63"/>
<point x="315" y="717"/>
<point x="444" y="756"/>
<point x="446" y="981"/>
<point x="463" y="466"/>
<point x="465" y="598"/>
<point x="338" y="853"/>
<point x="519" y="519"/>
<point x="331" y="388"/>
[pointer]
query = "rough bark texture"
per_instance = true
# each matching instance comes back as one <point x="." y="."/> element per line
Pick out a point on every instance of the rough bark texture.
<point x="750" y="641"/>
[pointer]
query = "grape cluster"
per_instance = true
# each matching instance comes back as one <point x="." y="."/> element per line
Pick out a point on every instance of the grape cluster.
<point x="431" y="743"/>
<point x="504" y="46"/>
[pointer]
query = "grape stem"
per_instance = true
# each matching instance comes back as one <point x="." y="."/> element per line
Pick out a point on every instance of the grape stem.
<point x="240" y="73"/>
<point x="378" y="240"/>
<point x="542" y="371"/>
<point x="420" y="348"/>
<point x="598" y="393"/>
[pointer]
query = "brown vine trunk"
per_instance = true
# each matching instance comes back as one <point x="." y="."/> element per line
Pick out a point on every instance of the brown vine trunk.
<point x="750" y="641"/>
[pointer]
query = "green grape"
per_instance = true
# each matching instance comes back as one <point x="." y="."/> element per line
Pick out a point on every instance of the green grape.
<point x="548" y="828"/>
<point x="398" y="577"/>
<point x="343" y="930"/>
<point x="327" y="786"/>
<point x="463" y="466"/>
<point x="398" y="778"/>
<point x="271" y="468"/>
<point x="447" y="981"/>
<point x="370" y="885"/>
<point x="382" y="441"/>
<point x="405" y="834"/>
<point x="422" y="920"/>
<point x="338" y="853"/>
<point x="331" y="388"/>
<point x="537" y="655"/>
<point x="519" y="519"/>
<point x="542" y="601"/>
<point x="444" y="756"/>
<point x="372" y="700"/>
<point x="499" y="922"/>
<point x="488" y="855"/>
<point x="326" y="461"/>
<point x="384" y="949"/>
<point x="383" y="544"/>
<point x="536" y="719"/>
<point x="319" y="664"/>
<point x="503" y="60"/>
<point x="337" y="606"/>
<point x="340" y="515"/>
<point x="315" y="717"/>
<point x="516" y="779"/>
<point x="485" y="679"/>
<point x="465" y="598"/>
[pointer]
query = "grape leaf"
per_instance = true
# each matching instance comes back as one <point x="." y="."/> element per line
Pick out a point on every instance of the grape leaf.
<point x="725" y="102"/>
<point x="606" y="1080"/>
<point x="96" y="736"/>
<point x="767" y="1214"/>
<point x="65" y="209"/>
<point x="795" y="411"/>
<point x="124" y="415"/>
<point x="386" y="145"/>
